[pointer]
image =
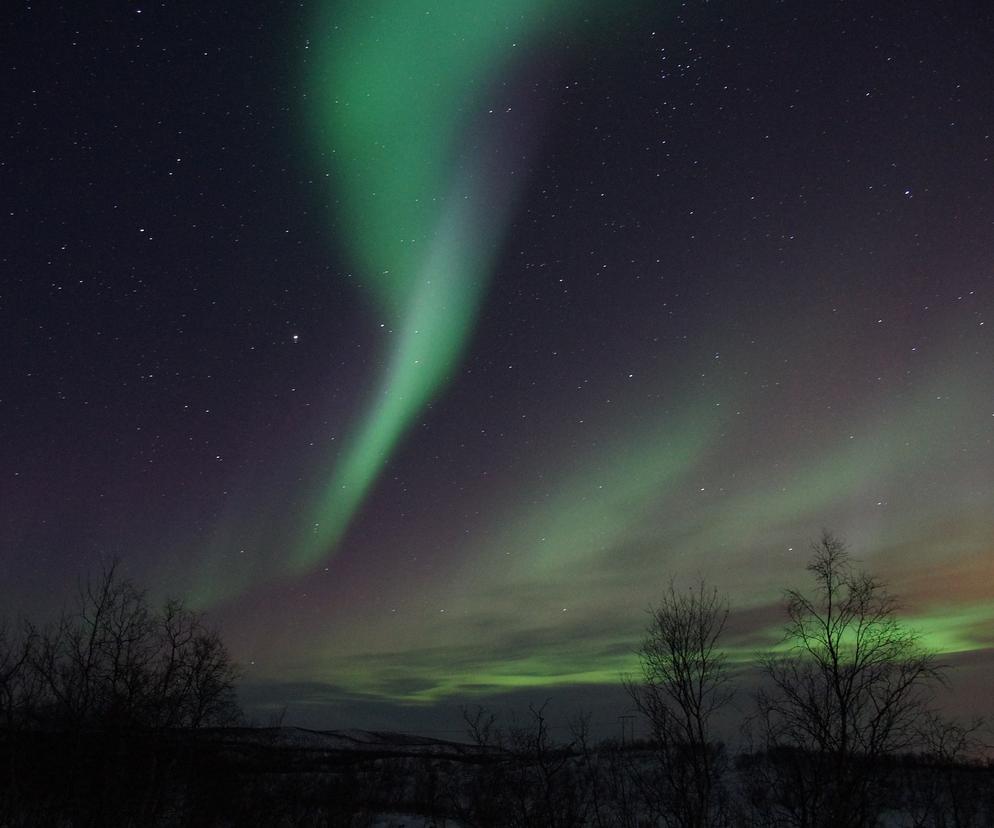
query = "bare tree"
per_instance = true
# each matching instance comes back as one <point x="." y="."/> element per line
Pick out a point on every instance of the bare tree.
<point x="946" y="785"/>
<point x="16" y="694"/>
<point x="16" y="650"/>
<point x="547" y="771"/>
<point x="112" y="661"/>
<point x="850" y="687"/>
<point x="682" y="686"/>
<point x="88" y="700"/>
<point x="523" y="777"/>
<point x="193" y="673"/>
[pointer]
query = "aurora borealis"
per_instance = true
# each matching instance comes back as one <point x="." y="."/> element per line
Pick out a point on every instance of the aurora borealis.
<point x="424" y="195"/>
<point x="422" y="343"/>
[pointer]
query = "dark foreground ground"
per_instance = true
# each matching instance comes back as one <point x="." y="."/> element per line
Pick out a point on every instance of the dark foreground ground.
<point x="295" y="777"/>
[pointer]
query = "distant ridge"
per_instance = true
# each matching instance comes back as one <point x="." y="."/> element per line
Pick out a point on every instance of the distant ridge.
<point x="350" y="741"/>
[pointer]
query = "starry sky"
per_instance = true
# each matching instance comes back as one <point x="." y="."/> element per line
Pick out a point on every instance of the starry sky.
<point x="421" y="343"/>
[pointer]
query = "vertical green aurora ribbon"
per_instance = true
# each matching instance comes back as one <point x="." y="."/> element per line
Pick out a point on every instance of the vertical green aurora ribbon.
<point x="399" y="113"/>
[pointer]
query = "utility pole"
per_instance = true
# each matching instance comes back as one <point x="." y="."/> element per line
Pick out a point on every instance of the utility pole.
<point x="627" y="728"/>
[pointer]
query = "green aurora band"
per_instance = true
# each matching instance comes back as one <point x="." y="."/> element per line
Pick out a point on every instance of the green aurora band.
<point x="400" y="119"/>
<point x="394" y="91"/>
<point x="599" y="538"/>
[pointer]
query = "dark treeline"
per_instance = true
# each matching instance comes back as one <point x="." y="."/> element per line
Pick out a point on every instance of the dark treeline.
<point x="91" y="704"/>
<point x="118" y="715"/>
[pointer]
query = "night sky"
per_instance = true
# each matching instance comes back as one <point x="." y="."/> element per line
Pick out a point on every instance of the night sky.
<point x="420" y="343"/>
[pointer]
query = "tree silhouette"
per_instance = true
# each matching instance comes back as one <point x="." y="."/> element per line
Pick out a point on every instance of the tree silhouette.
<point x="96" y="699"/>
<point x="682" y="686"/>
<point x="851" y="688"/>
<point x="112" y="661"/>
